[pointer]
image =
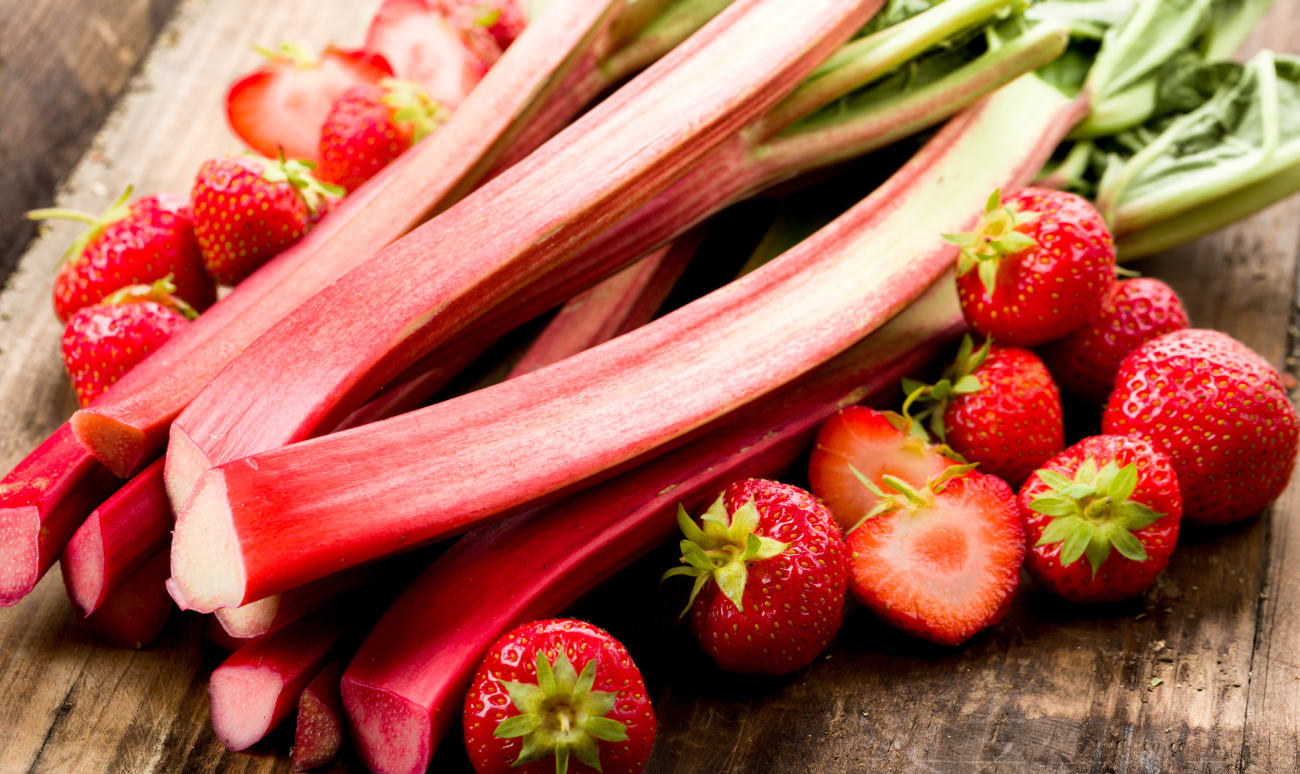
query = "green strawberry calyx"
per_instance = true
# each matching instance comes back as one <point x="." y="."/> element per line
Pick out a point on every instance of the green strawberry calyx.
<point x="486" y="15"/>
<point x="298" y="174"/>
<point x="115" y="212"/>
<point x="721" y="548"/>
<point x="162" y="292"/>
<point x="932" y="399"/>
<point x="899" y="496"/>
<point x="560" y="715"/>
<point x="411" y="104"/>
<point x="1093" y="512"/>
<point x="996" y="235"/>
<point x="298" y="53"/>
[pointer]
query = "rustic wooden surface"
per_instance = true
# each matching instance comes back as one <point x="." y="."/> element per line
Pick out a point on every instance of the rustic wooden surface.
<point x="1054" y="688"/>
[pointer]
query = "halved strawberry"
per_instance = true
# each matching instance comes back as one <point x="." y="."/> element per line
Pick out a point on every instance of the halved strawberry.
<point x="941" y="561"/>
<point x="423" y="43"/>
<point x="504" y="19"/>
<point x="281" y="106"/>
<point x="875" y="444"/>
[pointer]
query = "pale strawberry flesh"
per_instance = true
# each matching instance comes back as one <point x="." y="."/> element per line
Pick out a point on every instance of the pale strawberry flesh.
<point x="423" y="44"/>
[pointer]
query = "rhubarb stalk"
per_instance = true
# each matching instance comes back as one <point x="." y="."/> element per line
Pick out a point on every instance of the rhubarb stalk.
<point x="134" y="614"/>
<point x="509" y="445"/>
<point x="132" y="525"/>
<point x="257" y="687"/>
<point x="405" y="684"/>
<point x="318" y="732"/>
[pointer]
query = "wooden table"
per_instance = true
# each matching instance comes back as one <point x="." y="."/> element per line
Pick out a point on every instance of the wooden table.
<point x="1202" y="674"/>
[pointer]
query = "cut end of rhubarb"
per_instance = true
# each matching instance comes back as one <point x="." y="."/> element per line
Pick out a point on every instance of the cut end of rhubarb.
<point x="185" y="464"/>
<point x="120" y="447"/>
<point x="19" y="552"/>
<point x="243" y="702"/>
<point x="318" y="735"/>
<point x="82" y="562"/>
<point x="249" y="620"/>
<point x="391" y="733"/>
<point x="207" y="569"/>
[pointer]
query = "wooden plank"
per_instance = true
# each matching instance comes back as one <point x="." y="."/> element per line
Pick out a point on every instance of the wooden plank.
<point x="64" y="63"/>
<point x="1055" y="687"/>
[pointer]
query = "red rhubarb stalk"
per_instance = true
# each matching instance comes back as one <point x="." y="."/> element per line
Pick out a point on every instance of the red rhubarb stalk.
<point x="132" y="525"/>
<point x="127" y="428"/>
<point x="318" y="733"/>
<point x="216" y="634"/>
<point x="255" y="689"/>
<point x="406" y="683"/>
<point x="136" y="612"/>
<point x="283" y="517"/>
<point x="449" y="271"/>
<point x="42" y="502"/>
<point x="270" y="614"/>
<point x="622" y="302"/>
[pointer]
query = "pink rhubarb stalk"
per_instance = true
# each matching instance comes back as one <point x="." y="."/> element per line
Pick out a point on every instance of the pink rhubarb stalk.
<point x="283" y="517"/>
<point x="509" y="232"/>
<point x="125" y="430"/>
<point x="42" y="502"/>
<point x="622" y="302"/>
<point x="132" y="525"/>
<point x="270" y="614"/>
<point x="255" y="689"/>
<point x="134" y="614"/>
<point x="318" y="733"/>
<point x="405" y="684"/>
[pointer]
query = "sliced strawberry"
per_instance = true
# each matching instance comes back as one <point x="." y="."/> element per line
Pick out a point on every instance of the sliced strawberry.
<point x="504" y="19"/>
<point x="945" y="562"/>
<point x="872" y="443"/>
<point x="425" y="44"/>
<point x="281" y="106"/>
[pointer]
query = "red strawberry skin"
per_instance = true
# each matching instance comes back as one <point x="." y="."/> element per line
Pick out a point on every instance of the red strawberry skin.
<point x="1134" y="312"/>
<point x="103" y="342"/>
<point x="1219" y="411"/>
<point x="435" y="45"/>
<point x="859" y="438"/>
<point x="241" y="220"/>
<point x="1044" y="292"/>
<point x="508" y="24"/>
<point x="279" y="107"/>
<point x="1012" y="425"/>
<point x="360" y="137"/>
<point x="513" y="658"/>
<point x="1118" y="577"/>
<point x="794" y="602"/>
<point x="946" y="571"/>
<point x="155" y="239"/>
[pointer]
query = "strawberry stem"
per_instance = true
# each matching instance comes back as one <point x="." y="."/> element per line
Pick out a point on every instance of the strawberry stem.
<point x="116" y="211"/>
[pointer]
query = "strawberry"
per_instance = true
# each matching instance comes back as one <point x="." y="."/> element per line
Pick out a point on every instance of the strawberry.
<point x="503" y="19"/>
<point x="858" y="442"/>
<point x="442" y="50"/>
<point x="130" y="244"/>
<point x="550" y="692"/>
<point x="1036" y="267"/>
<point x="997" y="406"/>
<point x="370" y="125"/>
<point x="770" y="568"/>
<point x="940" y="561"/>
<point x="1134" y="312"/>
<point x="1221" y="414"/>
<point x="1105" y="492"/>
<point x="104" y="341"/>
<point x="278" y="108"/>
<point x="248" y="209"/>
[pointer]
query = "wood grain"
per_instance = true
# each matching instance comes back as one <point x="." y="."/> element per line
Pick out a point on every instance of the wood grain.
<point x="1054" y="688"/>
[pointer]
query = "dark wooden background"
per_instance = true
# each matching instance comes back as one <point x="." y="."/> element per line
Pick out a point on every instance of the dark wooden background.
<point x="1202" y="674"/>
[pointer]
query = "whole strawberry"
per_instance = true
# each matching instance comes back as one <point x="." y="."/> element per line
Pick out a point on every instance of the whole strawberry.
<point x="1134" y="312"/>
<point x="104" y="341"/>
<point x="1035" y="268"/>
<point x="130" y="244"/>
<point x="1221" y="414"/>
<point x="997" y="406"/>
<point x="248" y="209"/>
<point x="770" y="570"/>
<point x="940" y="561"/>
<point x="859" y="442"/>
<point x="1109" y="498"/>
<point x="370" y="125"/>
<point x="558" y="696"/>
